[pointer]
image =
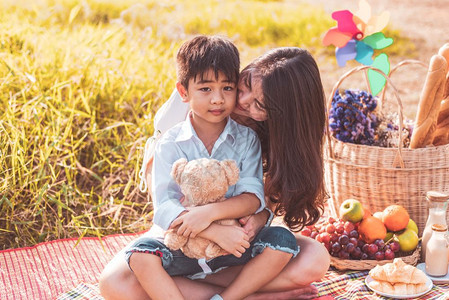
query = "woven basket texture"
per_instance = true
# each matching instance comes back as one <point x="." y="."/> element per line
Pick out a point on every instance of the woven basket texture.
<point x="378" y="176"/>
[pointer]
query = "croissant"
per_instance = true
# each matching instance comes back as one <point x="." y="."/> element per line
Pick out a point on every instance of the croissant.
<point x="397" y="288"/>
<point x="398" y="272"/>
<point x="398" y="278"/>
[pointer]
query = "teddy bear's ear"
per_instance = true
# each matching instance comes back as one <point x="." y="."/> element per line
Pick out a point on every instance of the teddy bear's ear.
<point x="177" y="169"/>
<point x="231" y="170"/>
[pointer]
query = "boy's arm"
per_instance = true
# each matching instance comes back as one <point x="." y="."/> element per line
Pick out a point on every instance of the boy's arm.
<point x="232" y="239"/>
<point x="199" y="218"/>
<point x="165" y="192"/>
<point x="248" y="195"/>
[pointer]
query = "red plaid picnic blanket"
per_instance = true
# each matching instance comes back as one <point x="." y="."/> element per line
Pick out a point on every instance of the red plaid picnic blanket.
<point x="48" y="269"/>
<point x="70" y="268"/>
<point x="335" y="285"/>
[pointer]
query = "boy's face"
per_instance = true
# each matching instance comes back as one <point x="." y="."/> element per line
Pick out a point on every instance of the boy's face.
<point x="211" y="99"/>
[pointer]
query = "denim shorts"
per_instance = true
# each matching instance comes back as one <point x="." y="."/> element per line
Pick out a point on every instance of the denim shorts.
<point x="177" y="264"/>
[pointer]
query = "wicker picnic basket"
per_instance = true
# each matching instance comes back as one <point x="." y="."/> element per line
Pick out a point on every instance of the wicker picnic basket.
<point x="351" y="264"/>
<point x="378" y="176"/>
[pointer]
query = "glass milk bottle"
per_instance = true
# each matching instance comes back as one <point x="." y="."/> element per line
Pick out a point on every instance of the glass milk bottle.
<point x="436" y="252"/>
<point x="437" y="215"/>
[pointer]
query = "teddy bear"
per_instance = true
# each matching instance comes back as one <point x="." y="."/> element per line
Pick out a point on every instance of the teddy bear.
<point x="202" y="181"/>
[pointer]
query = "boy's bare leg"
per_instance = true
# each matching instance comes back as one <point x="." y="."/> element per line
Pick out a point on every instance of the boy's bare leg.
<point x="196" y="289"/>
<point x="256" y="273"/>
<point x="294" y="282"/>
<point x="153" y="278"/>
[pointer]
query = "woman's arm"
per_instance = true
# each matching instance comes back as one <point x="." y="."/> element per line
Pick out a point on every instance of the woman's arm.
<point x="252" y="224"/>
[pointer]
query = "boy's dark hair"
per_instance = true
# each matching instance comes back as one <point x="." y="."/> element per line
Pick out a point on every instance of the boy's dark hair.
<point x="202" y="53"/>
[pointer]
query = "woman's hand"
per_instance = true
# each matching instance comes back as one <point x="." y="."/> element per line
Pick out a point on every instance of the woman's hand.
<point x="195" y="220"/>
<point x="231" y="238"/>
<point x="252" y="224"/>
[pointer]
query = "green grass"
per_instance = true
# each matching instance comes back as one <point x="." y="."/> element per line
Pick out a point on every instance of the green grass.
<point x="79" y="84"/>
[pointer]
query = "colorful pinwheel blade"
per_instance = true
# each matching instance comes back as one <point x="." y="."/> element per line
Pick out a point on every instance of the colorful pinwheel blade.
<point x="364" y="53"/>
<point x="336" y="37"/>
<point x="360" y="25"/>
<point x="364" y="12"/>
<point x="376" y="24"/>
<point x="376" y="80"/>
<point x="348" y="52"/>
<point x="378" y="41"/>
<point x="345" y="21"/>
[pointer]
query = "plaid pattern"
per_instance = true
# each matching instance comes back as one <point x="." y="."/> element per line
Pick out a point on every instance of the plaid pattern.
<point x="351" y="285"/>
<point x="82" y="292"/>
<point x="71" y="268"/>
<point x="335" y="285"/>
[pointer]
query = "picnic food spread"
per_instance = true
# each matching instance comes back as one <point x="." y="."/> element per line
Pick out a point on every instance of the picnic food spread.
<point x="398" y="278"/>
<point x="364" y="236"/>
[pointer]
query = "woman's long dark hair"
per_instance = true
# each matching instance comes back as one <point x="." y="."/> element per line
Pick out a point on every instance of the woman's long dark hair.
<point x="293" y="134"/>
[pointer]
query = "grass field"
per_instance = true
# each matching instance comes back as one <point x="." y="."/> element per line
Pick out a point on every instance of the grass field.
<point x="79" y="84"/>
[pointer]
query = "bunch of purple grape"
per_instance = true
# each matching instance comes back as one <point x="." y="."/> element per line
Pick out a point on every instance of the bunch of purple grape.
<point x="342" y="240"/>
<point x="352" y="118"/>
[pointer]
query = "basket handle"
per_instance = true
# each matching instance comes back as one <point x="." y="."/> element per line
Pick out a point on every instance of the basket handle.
<point x="395" y="68"/>
<point x="398" y="161"/>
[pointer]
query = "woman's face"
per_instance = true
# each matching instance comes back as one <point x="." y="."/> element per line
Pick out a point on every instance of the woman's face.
<point x="250" y="101"/>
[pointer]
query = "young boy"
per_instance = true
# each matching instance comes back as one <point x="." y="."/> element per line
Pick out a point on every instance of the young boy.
<point x="208" y="69"/>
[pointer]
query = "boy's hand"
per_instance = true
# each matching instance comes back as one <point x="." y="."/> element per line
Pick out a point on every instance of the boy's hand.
<point x="193" y="222"/>
<point x="233" y="239"/>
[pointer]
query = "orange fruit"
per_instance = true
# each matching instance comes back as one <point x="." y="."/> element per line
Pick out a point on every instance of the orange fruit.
<point x="395" y="217"/>
<point x="371" y="229"/>
<point x="367" y="213"/>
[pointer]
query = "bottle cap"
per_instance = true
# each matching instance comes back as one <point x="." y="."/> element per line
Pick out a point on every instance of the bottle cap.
<point x="437" y="196"/>
<point x="439" y="227"/>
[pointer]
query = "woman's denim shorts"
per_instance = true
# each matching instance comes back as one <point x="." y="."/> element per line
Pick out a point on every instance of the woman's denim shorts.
<point x="177" y="264"/>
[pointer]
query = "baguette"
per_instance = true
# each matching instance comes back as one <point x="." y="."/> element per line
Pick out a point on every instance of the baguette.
<point x="444" y="52"/>
<point x="442" y="131"/>
<point x="429" y="103"/>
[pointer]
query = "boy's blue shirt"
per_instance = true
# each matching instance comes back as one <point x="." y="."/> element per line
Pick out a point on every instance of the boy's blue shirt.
<point x="236" y="142"/>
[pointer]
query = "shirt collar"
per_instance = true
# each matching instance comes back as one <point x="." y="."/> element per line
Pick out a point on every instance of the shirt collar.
<point x="187" y="131"/>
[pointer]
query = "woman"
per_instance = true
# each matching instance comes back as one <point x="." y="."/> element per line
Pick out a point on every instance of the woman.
<point x="281" y="97"/>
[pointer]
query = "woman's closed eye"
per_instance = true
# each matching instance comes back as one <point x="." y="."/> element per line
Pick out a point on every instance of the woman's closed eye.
<point x="259" y="106"/>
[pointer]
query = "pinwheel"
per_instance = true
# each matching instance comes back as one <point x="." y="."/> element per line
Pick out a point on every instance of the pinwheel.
<point x="356" y="36"/>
